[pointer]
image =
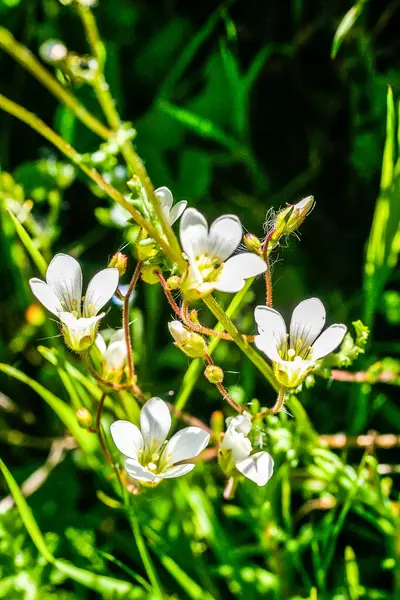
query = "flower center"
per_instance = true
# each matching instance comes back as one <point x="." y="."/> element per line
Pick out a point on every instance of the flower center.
<point x="209" y="267"/>
<point x="298" y="353"/>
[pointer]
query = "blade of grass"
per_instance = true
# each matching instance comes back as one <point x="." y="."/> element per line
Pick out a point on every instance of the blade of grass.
<point x="87" y="441"/>
<point x="29" y="245"/>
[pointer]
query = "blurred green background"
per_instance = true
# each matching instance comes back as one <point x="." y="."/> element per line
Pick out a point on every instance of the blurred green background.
<point x="242" y="107"/>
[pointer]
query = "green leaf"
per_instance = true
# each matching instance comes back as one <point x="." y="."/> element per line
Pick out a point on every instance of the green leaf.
<point x="107" y="586"/>
<point x="32" y="250"/>
<point x="26" y="514"/>
<point x="345" y="26"/>
<point x="87" y="441"/>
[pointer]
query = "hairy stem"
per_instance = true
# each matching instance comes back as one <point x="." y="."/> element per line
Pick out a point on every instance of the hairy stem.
<point x="125" y="322"/>
<point x="222" y="390"/>
<point x="168" y="294"/>
<point x="240" y="341"/>
<point x="26" y="59"/>
<point x="49" y="134"/>
<point x="268" y="278"/>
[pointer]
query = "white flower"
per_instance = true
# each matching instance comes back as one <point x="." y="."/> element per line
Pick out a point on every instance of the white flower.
<point x="294" y="355"/>
<point x="150" y="457"/>
<point x="172" y="212"/>
<point x="208" y="249"/>
<point x="235" y="450"/>
<point x="61" y="294"/>
<point x="113" y="355"/>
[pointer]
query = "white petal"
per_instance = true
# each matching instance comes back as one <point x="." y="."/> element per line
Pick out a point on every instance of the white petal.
<point x="117" y="336"/>
<point x="166" y="198"/>
<point x="240" y="423"/>
<point x="237" y="269"/>
<point x="178" y="332"/>
<point x="257" y="467"/>
<point x="119" y="215"/>
<point x="185" y="444"/>
<point x="176" y="211"/>
<point x="307" y="322"/>
<point x="100" y="290"/>
<point x="101" y="344"/>
<point x="193" y="233"/>
<point x="115" y="356"/>
<point x="64" y="276"/>
<point x="127" y="438"/>
<point x="272" y="330"/>
<point x="177" y="471"/>
<point x="138" y="472"/>
<point x="155" y="423"/>
<point x="239" y="445"/>
<point x="224" y="237"/>
<point x="328" y="341"/>
<point x="45" y="295"/>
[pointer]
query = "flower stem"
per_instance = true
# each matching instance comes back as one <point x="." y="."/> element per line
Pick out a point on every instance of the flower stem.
<point x="98" y="429"/>
<point x="268" y="279"/>
<point x="125" y="322"/>
<point x="25" y="58"/>
<point x="38" y="125"/>
<point x="168" y="294"/>
<point x="277" y="407"/>
<point x="132" y="159"/>
<point x="222" y="390"/>
<point x="240" y="341"/>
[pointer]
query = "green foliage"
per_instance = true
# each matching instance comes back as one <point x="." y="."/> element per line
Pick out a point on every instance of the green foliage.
<point x="230" y="109"/>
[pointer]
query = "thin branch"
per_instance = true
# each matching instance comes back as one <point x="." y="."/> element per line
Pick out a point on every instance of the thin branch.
<point x="125" y="321"/>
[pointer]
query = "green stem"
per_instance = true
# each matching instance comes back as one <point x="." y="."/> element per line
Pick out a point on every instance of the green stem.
<point x="125" y="321"/>
<point x="240" y="341"/>
<point x="25" y="58"/>
<point x="132" y="159"/>
<point x="38" y="125"/>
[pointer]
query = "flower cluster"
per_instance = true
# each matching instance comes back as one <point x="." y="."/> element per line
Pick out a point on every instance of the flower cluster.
<point x="212" y="263"/>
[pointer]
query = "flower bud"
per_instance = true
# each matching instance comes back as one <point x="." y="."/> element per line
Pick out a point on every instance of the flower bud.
<point x="84" y="417"/>
<point x="192" y="344"/>
<point x="53" y="51"/>
<point x="214" y="374"/>
<point x="252" y="243"/>
<point x="289" y="219"/>
<point x="135" y="185"/>
<point x="119" y="261"/>
<point x="173" y="283"/>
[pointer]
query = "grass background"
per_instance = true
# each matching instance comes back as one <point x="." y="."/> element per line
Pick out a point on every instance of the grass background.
<point x="238" y="107"/>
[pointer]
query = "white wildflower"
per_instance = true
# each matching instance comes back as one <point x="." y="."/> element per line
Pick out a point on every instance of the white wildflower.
<point x="61" y="294"/>
<point x="235" y="452"/>
<point x="294" y="355"/>
<point x="209" y="252"/>
<point x="113" y="355"/>
<point x="150" y="458"/>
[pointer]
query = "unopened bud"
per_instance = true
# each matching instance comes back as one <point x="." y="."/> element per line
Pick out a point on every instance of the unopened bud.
<point x="173" y="283"/>
<point x="118" y="261"/>
<point x="53" y="51"/>
<point x="252" y="243"/>
<point x="214" y="374"/>
<point x="289" y="219"/>
<point x="192" y="344"/>
<point x="135" y="185"/>
<point x="84" y="417"/>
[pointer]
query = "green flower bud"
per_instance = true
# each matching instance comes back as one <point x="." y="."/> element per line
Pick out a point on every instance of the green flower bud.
<point x="252" y="243"/>
<point x="214" y="374"/>
<point x="84" y="417"/>
<point x="192" y="344"/>
<point x="289" y="219"/>
<point x="119" y="261"/>
<point x="173" y="283"/>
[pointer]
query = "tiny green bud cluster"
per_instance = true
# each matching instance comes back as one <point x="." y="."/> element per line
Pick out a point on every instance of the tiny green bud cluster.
<point x="214" y="374"/>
